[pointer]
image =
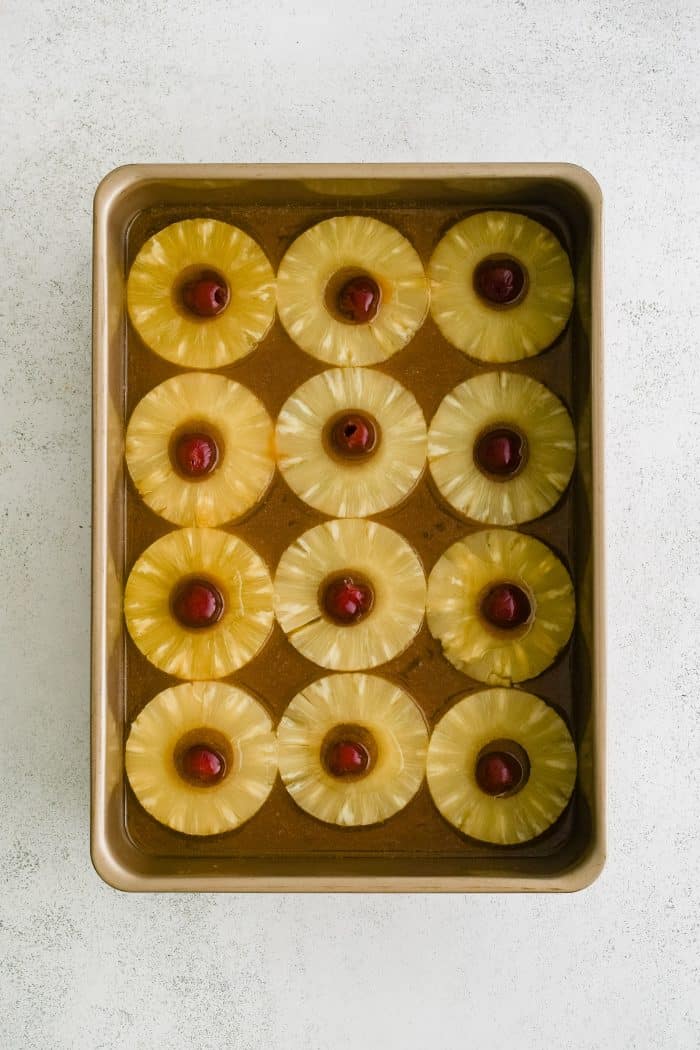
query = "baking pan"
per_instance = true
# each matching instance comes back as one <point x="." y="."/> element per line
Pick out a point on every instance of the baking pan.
<point x="281" y="848"/>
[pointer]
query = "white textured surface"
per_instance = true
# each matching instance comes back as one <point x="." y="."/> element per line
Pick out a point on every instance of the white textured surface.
<point x="611" y="85"/>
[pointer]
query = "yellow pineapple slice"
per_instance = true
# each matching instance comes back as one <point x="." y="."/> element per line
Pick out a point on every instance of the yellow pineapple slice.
<point x="352" y="749"/>
<point x="502" y="605"/>
<point x="202" y="757"/>
<point x="351" y="442"/>
<point x="198" y="603"/>
<point x="351" y="291"/>
<point x="501" y="766"/>
<point x="199" y="449"/>
<point x="502" y="287"/>
<point x="350" y="594"/>
<point x="201" y="293"/>
<point x="501" y="448"/>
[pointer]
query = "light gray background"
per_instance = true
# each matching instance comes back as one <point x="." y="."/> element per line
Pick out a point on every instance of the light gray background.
<point x="610" y="84"/>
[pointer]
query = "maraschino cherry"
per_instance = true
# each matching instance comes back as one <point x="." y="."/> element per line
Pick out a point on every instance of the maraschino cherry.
<point x="347" y="600"/>
<point x="358" y="299"/>
<point x="197" y="603"/>
<point x="506" y="606"/>
<point x="353" y="435"/>
<point x="499" y="281"/>
<point x="347" y="757"/>
<point x="499" y="452"/>
<point x="196" y="454"/>
<point x="202" y="765"/>
<point x="206" y="297"/>
<point x="499" y="773"/>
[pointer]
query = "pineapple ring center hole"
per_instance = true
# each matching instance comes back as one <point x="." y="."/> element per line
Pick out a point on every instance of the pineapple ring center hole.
<point x="196" y="449"/>
<point x="353" y="296"/>
<point x="502" y="768"/>
<point x="500" y="281"/>
<point x="346" y="597"/>
<point x="197" y="602"/>
<point x="201" y="292"/>
<point x="203" y="757"/>
<point x="501" y="451"/>
<point x="349" y="752"/>
<point x="351" y="435"/>
<point x="507" y="607"/>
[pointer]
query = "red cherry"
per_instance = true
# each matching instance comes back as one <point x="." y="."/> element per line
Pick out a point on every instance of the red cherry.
<point x="347" y="757"/>
<point x="498" y="773"/>
<point x="358" y="299"/>
<point x="196" y="454"/>
<point x="346" y="600"/>
<point x="202" y="765"/>
<point x="206" y="297"/>
<point x="506" y="606"/>
<point x="499" y="452"/>
<point x="353" y="435"/>
<point x="197" y="603"/>
<point x="499" y="281"/>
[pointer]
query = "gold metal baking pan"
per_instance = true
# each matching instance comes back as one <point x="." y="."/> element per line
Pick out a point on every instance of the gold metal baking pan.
<point x="281" y="848"/>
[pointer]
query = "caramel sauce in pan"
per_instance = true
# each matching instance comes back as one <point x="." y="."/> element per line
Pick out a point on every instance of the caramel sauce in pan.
<point x="430" y="367"/>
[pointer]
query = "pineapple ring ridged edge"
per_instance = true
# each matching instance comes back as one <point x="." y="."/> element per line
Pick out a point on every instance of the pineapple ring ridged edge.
<point x="244" y="471"/>
<point x="351" y="242"/>
<point x="153" y="775"/>
<point x="454" y="747"/>
<point x="378" y="554"/>
<point x="376" y="704"/>
<point x="501" y="399"/>
<point x="519" y="331"/>
<point x="188" y="341"/>
<point x="230" y="643"/>
<point x="353" y="489"/>
<point x="459" y="579"/>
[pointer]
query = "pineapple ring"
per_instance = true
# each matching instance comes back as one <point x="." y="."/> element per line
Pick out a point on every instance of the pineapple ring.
<point x="182" y="711"/>
<point x="374" y="705"/>
<point x="211" y="403"/>
<point x="466" y="572"/>
<point x="501" y="399"/>
<point x="454" y="749"/>
<point x="236" y="570"/>
<point x="154" y="283"/>
<point x="373" y="552"/>
<point x="501" y="333"/>
<point x="342" y="487"/>
<point x="359" y="245"/>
